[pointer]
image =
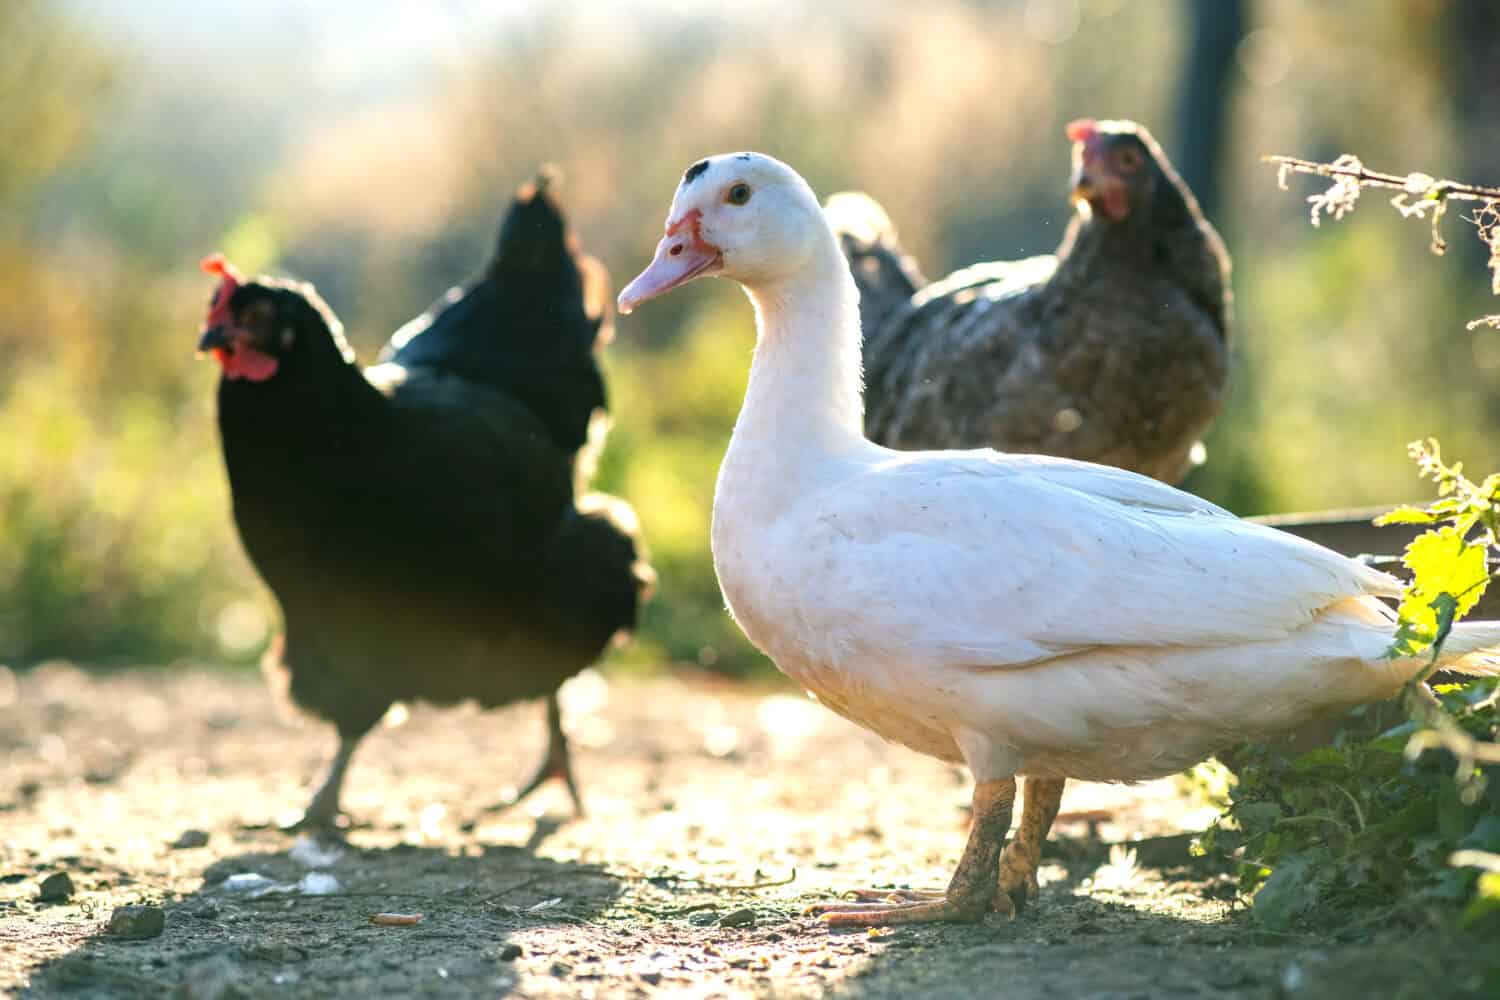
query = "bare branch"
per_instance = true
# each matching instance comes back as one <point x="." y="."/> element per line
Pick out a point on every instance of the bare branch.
<point x="1416" y="184"/>
<point x="1418" y="194"/>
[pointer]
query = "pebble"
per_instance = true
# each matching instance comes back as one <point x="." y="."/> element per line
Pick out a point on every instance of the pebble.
<point x="189" y="839"/>
<point x="137" y="922"/>
<point x="743" y="917"/>
<point x="55" y="888"/>
<point x="510" y="953"/>
<point x="273" y="951"/>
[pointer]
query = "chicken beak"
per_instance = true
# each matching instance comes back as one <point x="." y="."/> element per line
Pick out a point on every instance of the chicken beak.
<point x="214" y="338"/>
<point x="680" y="257"/>
<point x="1092" y="182"/>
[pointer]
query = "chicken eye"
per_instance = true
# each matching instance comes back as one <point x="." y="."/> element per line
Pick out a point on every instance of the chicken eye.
<point x="738" y="193"/>
<point x="1128" y="159"/>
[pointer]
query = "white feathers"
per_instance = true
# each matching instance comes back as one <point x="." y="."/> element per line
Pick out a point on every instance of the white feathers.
<point x="1023" y="614"/>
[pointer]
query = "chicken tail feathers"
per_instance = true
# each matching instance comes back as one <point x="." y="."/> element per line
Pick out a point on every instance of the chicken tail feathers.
<point x="1472" y="648"/>
<point x="529" y="327"/>
<point x="887" y="277"/>
<point x="599" y="570"/>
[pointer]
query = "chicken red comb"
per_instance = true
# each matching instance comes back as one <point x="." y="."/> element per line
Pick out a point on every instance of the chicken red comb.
<point x="229" y="282"/>
<point x="1082" y="129"/>
<point x="218" y="264"/>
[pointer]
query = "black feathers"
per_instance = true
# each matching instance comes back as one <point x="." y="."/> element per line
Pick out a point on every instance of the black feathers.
<point x="528" y="326"/>
<point x="694" y="172"/>
<point x="417" y="522"/>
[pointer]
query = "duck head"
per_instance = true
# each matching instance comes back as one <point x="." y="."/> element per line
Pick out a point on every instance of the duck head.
<point x="744" y="216"/>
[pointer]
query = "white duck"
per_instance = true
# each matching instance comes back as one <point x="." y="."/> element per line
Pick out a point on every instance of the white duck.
<point x="1019" y="614"/>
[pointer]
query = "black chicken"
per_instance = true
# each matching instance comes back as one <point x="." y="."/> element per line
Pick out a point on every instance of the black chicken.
<point x="418" y="522"/>
<point x="1115" y="351"/>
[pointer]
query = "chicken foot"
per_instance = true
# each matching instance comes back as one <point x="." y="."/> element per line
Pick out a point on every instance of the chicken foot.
<point x="1022" y="856"/>
<point x="323" y="815"/>
<point x="974" y="885"/>
<point x="557" y="763"/>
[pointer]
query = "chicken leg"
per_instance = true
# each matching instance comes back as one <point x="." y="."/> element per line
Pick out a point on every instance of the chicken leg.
<point x="974" y="883"/>
<point x="557" y="763"/>
<point x="323" y="812"/>
<point x="1019" y="860"/>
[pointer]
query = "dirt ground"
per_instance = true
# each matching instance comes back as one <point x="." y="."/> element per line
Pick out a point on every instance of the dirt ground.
<point x="697" y="790"/>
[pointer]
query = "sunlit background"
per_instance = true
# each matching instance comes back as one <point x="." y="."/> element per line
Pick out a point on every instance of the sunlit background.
<point x="370" y="148"/>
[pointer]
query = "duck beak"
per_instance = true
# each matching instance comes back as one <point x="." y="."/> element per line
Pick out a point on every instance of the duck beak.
<point x="681" y="256"/>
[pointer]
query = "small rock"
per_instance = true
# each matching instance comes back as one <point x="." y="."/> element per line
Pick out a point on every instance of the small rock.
<point x="189" y="839"/>
<point x="318" y="884"/>
<point x="743" y="917"/>
<point x="55" y="888"/>
<point x="137" y="922"/>
<point x="703" y="918"/>
<point x="510" y="953"/>
<point x="202" y="909"/>
<point x="651" y="978"/>
<point x="273" y="951"/>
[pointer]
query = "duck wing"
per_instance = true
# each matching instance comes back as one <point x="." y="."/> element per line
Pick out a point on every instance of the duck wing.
<point x="980" y="560"/>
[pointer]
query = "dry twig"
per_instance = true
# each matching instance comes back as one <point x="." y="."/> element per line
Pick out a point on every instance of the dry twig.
<point x="1417" y="195"/>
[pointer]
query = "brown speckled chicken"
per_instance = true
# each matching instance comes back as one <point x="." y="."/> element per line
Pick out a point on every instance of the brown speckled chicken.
<point x="1113" y="351"/>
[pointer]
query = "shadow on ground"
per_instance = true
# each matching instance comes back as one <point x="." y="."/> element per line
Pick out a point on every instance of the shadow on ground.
<point x="224" y="942"/>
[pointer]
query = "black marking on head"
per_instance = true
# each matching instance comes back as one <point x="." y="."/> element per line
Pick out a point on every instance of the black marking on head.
<point x="744" y="156"/>
<point x="694" y="172"/>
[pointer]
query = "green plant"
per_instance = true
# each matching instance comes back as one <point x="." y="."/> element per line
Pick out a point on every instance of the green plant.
<point x="1412" y="813"/>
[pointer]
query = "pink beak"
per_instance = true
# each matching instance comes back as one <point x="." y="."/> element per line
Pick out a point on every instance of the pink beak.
<point x="682" y="255"/>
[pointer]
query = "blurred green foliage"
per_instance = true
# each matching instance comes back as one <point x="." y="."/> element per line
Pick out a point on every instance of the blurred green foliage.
<point x="141" y="136"/>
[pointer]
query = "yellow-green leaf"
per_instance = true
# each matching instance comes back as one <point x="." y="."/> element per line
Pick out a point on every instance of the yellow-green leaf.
<point x="1442" y="563"/>
<point x="1406" y="514"/>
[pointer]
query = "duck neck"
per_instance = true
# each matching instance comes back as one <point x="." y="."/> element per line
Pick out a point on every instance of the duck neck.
<point x="805" y="391"/>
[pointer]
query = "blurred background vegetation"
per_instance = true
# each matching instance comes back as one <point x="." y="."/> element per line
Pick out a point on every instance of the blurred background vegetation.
<point x="371" y="147"/>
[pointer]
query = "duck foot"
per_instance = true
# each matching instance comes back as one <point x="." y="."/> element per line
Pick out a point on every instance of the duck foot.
<point x="1023" y="855"/>
<point x="975" y="884"/>
<point x="944" y="910"/>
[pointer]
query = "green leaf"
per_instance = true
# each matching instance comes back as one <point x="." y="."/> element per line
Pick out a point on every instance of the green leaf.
<point x="1406" y="514"/>
<point x="1322" y="757"/>
<point x="1485" y="902"/>
<point x="1455" y="819"/>
<point x="1445" y="568"/>
<point x="1256" y="816"/>
<point x="1289" y="891"/>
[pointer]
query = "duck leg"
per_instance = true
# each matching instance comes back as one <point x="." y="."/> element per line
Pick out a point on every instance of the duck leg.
<point x="1019" y="860"/>
<point x="556" y="764"/>
<point x="974" y="883"/>
<point x="323" y="814"/>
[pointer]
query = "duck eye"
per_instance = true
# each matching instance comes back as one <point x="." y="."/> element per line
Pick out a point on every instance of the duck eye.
<point x="738" y="193"/>
<point x="1128" y="159"/>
